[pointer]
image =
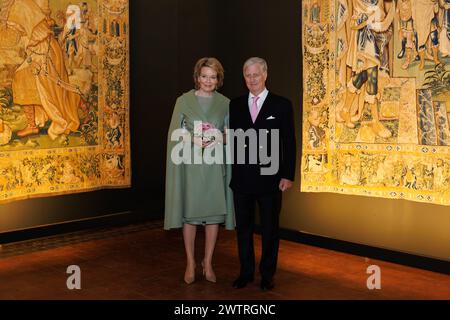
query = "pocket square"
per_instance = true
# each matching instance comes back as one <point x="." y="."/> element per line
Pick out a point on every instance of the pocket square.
<point x="270" y="118"/>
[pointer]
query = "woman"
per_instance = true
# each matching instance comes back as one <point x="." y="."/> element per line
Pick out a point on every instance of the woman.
<point x="198" y="194"/>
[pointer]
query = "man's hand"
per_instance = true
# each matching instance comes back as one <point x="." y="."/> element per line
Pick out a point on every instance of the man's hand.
<point x="285" y="184"/>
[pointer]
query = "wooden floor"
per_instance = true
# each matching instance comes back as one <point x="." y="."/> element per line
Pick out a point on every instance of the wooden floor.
<point x="146" y="262"/>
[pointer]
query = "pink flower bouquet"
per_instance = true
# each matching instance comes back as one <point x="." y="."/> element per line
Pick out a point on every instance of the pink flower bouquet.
<point x="204" y="130"/>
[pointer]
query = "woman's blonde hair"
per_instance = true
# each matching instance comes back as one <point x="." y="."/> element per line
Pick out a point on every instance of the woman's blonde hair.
<point x="212" y="63"/>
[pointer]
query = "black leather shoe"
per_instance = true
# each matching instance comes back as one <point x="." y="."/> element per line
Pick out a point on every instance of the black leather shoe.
<point x="266" y="284"/>
<point x="241" y="282"/>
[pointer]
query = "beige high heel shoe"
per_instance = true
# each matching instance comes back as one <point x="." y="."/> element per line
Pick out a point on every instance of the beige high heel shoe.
<point x="209" y="277"/>
<point x="189" y="275"/>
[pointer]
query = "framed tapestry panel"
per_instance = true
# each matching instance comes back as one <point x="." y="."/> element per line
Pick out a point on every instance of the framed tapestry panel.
<point x="64" y="97"/>
<point x="376" y="98"/>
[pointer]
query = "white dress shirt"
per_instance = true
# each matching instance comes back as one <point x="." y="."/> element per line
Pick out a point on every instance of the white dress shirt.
<point x="262" y="97"/>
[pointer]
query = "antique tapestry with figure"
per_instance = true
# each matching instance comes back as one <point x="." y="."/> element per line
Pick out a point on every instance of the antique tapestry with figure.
<point x="64" y="96"/>
<point x="376" y="98"/>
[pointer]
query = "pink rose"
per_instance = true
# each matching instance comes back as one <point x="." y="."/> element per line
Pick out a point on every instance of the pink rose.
<point x="206" y="126"/>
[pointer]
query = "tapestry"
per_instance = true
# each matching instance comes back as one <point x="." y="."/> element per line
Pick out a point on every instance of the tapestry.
<point x="64" y="97"/>
<point x="376" y="98"/>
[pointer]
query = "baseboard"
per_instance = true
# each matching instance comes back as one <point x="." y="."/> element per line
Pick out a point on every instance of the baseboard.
<point x="402" y="258"/>
<point x="110" y="220"/>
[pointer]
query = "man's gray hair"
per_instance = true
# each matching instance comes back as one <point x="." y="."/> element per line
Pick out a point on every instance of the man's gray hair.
<point x="253" y="60"/>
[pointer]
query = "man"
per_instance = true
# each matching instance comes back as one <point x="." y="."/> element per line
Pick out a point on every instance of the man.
<point x="267" y="114"/>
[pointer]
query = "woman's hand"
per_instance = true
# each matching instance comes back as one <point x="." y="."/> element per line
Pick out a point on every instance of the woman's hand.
<point x="198" y="141"/>
<point x="208" y="144"/>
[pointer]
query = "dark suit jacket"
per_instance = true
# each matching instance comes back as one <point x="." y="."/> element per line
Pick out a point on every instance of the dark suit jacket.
<point x="275" y="113"/>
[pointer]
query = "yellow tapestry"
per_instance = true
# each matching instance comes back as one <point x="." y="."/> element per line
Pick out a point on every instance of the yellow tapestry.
<point x="376" y="98"/>
<point x="64" y="97"/>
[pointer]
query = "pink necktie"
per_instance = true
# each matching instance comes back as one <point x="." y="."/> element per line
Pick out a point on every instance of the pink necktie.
<point x="254" y="109"/>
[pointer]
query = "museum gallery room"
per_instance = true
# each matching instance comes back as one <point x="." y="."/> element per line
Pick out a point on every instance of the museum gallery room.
<point x="342" y="105"/>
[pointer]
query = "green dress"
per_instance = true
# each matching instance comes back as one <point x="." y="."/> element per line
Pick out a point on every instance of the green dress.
<point x="198" y="193"/>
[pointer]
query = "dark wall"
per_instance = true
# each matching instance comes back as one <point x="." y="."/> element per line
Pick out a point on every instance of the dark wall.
<point x="266" y="28"/>
<point x="168" y="37"/>
<point x="154" y="64"/>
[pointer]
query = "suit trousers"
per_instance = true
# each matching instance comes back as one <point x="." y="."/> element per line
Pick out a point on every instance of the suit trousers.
<point x="269" y="209"/>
